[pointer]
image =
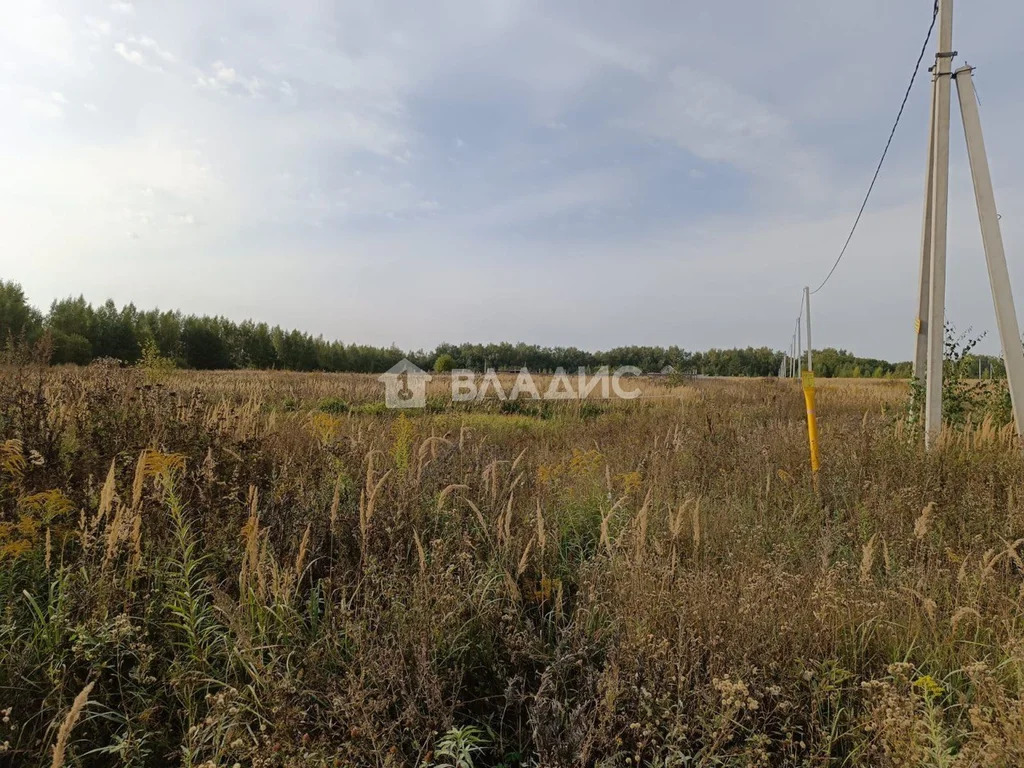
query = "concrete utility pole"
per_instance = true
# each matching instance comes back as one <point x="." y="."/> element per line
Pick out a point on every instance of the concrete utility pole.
<point x="991" y="236"/>
<point x="799" y="350"/>
<point x="930" y="325"/>
<point x="939" y="198"/>
<point x="924" y="289"/>
<point x="807" y="308"/>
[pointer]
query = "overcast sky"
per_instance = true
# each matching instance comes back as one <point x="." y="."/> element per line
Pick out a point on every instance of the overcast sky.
<point x="575" y="172"/>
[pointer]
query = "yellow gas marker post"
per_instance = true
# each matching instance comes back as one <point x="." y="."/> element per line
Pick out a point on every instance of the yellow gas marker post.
<point x="812" y="422"/>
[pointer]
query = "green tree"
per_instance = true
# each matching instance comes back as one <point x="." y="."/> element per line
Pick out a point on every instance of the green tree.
<point x="202" y="344"/>
<point x="444" y="363"/>
<point x="18" y="320"/>
<point x="257" y="346"/>
<point x="116" y="332"/>
<point x="72" y="323"/>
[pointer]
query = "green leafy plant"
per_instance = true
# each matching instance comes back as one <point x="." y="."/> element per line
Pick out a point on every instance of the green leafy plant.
<point x="459" y="746"/>
<point x="333" y="405"/>
<point x="961" y="396"/>
<point x="156" y="367"/>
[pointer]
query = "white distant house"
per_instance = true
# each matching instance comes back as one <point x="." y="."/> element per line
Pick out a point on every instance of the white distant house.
<point x="668" y="370"/>
<point x="405" y="385"/>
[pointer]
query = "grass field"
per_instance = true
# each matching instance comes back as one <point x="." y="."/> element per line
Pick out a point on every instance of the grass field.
<point x="271" y="569"/>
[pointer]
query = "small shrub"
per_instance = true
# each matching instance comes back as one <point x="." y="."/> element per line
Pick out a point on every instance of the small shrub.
<point x="333" y="405"/>
<point x="156" y="367"/>
<point x="961" y="397"/>
<point x="371" y="409"/>
<point x="444" y="363"/>
<point x="458" y="747"/>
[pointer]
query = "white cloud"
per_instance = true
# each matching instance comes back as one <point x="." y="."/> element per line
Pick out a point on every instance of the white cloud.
<point x="719" y="123"/>
<point x="221" y="77"/>
<point x="92" y="188"/>
<point x="615" y="55"/>
<point x="130" y="55"/>
<point x="588" y="192"/>
<point x="144" y="51"/>
<point x="152" y="45"/>
<point x="98" y="27"/>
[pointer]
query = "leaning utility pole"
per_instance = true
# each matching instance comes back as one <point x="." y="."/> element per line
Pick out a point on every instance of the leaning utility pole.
<point x="992" y="238"/>
<point x="930" y="325"/>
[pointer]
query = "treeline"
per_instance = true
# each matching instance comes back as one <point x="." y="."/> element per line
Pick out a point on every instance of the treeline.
<point x="79" y="333"/>
<point x="838" y="363"/>
<point x="505" y="356"/>
<point x="751" y="361"/>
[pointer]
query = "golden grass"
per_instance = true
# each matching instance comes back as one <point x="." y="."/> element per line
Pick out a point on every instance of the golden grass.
<point x="64" y="732"/>
<point x="232" y="567"/>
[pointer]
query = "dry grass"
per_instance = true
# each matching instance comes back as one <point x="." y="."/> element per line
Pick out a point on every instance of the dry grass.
<point x="270" y="569"/>
<point x="64" y="733"/>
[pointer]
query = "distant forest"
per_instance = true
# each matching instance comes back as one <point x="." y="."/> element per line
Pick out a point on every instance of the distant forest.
<point x="80" y="333"/>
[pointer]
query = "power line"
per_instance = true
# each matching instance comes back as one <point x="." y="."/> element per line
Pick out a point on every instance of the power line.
<point x="885" y="151"/>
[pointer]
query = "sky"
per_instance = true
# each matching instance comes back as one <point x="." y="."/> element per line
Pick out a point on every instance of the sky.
<point x="579" y="172"/>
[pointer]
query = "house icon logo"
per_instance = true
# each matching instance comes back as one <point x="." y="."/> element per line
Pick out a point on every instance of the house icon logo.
<point x="405" y="385"/>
